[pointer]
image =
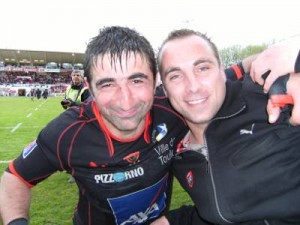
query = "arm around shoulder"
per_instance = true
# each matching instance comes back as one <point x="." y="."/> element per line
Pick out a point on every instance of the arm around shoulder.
<point x="14" y="198"/>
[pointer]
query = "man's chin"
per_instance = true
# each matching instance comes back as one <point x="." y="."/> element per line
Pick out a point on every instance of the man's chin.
<point x="128" y="125"/>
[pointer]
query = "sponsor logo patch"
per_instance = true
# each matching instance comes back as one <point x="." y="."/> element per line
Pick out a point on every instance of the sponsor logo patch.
<point x="108" y="178"/>
<point x="138" y="207"/>
<point x="190" y="179"/>
<point x="159" y="132"/>
<point x="29" y="148"/>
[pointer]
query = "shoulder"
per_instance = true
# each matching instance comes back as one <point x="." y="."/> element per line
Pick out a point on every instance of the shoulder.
<point x="70" y="119"/>
<point x="163" y="111"/>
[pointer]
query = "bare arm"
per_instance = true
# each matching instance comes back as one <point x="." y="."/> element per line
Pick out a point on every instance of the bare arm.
<point x="14" y="198"/>
<point x="279" y="59"/>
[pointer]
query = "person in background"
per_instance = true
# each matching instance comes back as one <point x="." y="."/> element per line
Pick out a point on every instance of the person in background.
<point x="77" y="92"/>
<point x="236" y="166"/>
<point x="38" y="93"/>
<point x="45" y="94"/>
<point x="32" y="94"/>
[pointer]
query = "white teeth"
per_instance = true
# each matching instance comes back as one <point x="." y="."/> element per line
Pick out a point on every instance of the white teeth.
<point x="196" y="101"/>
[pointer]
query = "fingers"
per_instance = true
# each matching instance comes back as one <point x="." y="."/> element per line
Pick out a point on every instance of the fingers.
<point x="293" y="90"/>
<point x="269" y="81"/>
<point x="256" y="74"/>
<point x="273" y="112"/>
<point x="295" y="118"/>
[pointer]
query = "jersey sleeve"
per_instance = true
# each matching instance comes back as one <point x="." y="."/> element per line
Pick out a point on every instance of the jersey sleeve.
<point x="185" y="215"/>
<point x="39" y="159"/>
<point x="235" y="72"/>
<point x="32" y="165"/>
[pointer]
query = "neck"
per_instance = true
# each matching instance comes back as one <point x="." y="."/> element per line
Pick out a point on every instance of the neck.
<point x="197" y="133"/>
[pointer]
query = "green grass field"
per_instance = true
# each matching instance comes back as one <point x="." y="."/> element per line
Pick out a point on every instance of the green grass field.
<point x="53" y="200"/>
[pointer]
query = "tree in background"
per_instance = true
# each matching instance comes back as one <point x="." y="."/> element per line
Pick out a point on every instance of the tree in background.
<point x="236" y="53"/>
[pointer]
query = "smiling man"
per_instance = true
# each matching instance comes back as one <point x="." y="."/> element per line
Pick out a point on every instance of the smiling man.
<point x="118" y="146"/>
<point x="236" y="166"/>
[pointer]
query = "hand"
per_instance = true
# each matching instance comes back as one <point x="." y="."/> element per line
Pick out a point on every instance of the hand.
<point x="161" y="221"/>
<point x="66" y="103"/>
<point x="278" y="59"/>
<point x="293" y="85"/>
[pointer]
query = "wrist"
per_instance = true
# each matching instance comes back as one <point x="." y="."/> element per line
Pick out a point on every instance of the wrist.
<point x="297" y="64"/>
<point x="18" y="221"/>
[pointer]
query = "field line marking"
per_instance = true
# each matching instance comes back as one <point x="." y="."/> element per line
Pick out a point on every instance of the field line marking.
<point x="16" y="127"/>
<point x="24" y="127"/>
<point x="29" y="115"/>
<point x="4" y="162"/>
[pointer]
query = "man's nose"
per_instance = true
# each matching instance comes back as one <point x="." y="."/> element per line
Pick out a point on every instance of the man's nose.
<point x="125" y="97"/>
<point x="192" y="83"/>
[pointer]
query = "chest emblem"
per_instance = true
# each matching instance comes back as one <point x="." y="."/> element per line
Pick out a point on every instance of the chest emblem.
<point x="190" y="179"/>
<point x="132" y="158"/>
<point x="159" y="132"/>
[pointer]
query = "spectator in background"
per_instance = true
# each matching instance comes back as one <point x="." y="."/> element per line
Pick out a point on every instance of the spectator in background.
<point x="77" y="92"/>
<point x="38" y="93"/>
<point x="32" y="94"/>
<point x="45" y="94"/>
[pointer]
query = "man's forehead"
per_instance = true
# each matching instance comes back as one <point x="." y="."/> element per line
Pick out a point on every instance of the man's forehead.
<point x="186" y="49"/>
<point x="123" y="61"/>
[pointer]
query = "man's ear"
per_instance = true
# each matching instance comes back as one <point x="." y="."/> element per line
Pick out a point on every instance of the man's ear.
<point x="223" y="75"/>
<point x="87" y="84"/>
<point x="157" y="79"/>
<point x="90" y="89"/>
<point x="165" y="91"/>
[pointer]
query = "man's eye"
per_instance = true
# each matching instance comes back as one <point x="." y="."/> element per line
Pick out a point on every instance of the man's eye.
<point x="174" y="76"/>
<point x="137" y="81"/>
<point x="203" y="68"/>
<point x="105" y="86"/>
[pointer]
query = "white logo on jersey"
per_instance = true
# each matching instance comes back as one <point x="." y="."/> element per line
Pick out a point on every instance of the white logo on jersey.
<point x="119" y="177"/>
<point x="28" y="149"/>
<point x="244" y="131"/>
<point x="165" y="154"/>
<point x="141" y="217"/>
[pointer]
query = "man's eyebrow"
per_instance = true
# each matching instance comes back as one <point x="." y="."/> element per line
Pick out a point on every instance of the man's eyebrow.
<point x="171" y="69"/>
<point x="138" y="75"/>
<point x="104" y="80"/>
<point x="199" y="61"/>
<point x="131" y="77"/>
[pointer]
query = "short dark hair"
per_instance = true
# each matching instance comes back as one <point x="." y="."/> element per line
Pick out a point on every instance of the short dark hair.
<point x="182" y="33"/>
<point x="76" y="72"/>
<point x="116" y="41"/>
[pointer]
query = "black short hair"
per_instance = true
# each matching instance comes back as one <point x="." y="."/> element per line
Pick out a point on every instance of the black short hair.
<point x="116" y="41"/>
